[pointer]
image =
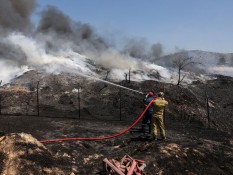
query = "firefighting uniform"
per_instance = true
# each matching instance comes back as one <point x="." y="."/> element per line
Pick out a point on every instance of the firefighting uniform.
<point x="157" y="122"/>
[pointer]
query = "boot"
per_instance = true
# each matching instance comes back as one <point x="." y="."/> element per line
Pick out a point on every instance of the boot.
<point x="163" y="138"/>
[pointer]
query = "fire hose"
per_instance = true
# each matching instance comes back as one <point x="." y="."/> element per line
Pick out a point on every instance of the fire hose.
<point x="100" y="138"/>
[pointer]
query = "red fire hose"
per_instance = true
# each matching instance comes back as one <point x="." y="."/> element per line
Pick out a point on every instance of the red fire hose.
<point x="100" y="138"/>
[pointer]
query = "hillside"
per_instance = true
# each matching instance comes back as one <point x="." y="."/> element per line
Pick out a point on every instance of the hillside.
<point x="192" y="147"/>
<point x="205" y="62"/>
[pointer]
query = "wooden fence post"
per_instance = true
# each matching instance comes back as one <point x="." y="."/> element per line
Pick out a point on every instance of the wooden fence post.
<point x="79" y="108"/>
<point x="37" y="99"/>
<point x="0" y="100"/>
<point x="207" y="109"/>
<point x="0" y="104"/>
<point x="120" y="100"/>
<point x="129" y="74"/>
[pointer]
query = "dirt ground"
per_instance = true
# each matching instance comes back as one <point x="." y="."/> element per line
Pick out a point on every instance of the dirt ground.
<point x="194" y="145"/>
<point x="189" y="149"/>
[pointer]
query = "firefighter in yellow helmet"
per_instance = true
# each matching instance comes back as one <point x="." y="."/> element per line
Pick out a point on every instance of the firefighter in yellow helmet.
<point x="157" y="122"/>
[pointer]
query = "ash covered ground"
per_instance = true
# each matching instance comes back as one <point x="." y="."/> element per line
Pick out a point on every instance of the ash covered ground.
<point x="194" y="145"/>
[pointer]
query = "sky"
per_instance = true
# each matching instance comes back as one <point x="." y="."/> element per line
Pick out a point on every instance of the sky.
<point x="176" y="24"/>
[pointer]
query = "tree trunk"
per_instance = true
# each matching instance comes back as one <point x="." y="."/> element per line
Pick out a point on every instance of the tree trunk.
<point x="178" y="83"/>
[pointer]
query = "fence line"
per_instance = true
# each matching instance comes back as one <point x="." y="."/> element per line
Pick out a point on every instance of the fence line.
<point x="19" y="101"/>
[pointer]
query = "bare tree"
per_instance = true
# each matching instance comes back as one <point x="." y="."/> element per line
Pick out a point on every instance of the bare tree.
<point x="107" y="75"/>
<point x="129" y="74"/>
<point x="181" y="63"/>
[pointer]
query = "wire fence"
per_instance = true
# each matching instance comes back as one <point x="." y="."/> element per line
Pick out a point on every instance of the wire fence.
<point x="76" y="101"/>
<point x="75" y="98"/>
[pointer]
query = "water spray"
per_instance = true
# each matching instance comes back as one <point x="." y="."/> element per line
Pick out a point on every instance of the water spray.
<point x="107" y="82"/>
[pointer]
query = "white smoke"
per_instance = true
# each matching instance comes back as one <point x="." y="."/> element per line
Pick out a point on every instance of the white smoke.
<point x="223" y="70"/>
<point x="59" y="45"/>
<point x="9" y="72"/>
<point x="111" y="58"/>
<point x="35" y="51"/>
<point x="66" y="59"/>
<point x="70" y="61"/>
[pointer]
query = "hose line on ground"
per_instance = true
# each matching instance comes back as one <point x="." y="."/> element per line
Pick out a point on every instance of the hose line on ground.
<point x="100" y="138"/>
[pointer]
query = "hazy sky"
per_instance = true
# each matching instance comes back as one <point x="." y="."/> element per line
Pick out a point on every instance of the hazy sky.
<point x="186" y="24"/>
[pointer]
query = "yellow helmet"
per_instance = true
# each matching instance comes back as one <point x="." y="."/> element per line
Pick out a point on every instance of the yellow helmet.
<point x="160" y="94"/>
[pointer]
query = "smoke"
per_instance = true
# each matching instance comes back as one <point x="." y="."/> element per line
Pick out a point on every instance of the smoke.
<point x="54" y="20"/>
<point x="156" y="51"/>
<point x="140" y="48"/>
<point x="11" y="53"/>
<point x="81" y="37"/>
<point x="136" y="47"/>
<point x="15" y="14"/>
<point x="112" y="58"/>
<point x="224" y="70"/>
<point x="65" y="60"/>
<point x="9" y="72"/>
<point x="54" y="46"/>
<point x="58" y="44"/>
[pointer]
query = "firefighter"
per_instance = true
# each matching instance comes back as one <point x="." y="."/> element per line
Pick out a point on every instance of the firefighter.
<point x="146" y="121"/>
<point x="157" y="120"/>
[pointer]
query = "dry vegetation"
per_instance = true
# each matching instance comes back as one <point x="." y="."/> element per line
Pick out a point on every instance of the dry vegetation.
<point x="194" y="146"/>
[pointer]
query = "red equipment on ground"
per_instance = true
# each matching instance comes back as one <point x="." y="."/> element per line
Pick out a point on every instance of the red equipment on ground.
<point x="127" y="166"/>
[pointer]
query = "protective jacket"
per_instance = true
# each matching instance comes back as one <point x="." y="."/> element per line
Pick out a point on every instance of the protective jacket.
<point x="157" y="121"/>
<point x="150" y="109"/>
<point x="159" y="104"/>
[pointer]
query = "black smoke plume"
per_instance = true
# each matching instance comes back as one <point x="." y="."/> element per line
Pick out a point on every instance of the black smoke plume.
<point x="15" y="14"/>
<point x="12" y="54"/>
<point x="83" y="36"/>
<point x="141" y="49"/>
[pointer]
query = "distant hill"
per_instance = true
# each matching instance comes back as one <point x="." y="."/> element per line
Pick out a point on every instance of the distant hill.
<point x="207" y="62"/>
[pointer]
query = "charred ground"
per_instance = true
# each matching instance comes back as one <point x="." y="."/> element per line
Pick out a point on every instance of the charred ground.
<point x="194" y="145"/>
